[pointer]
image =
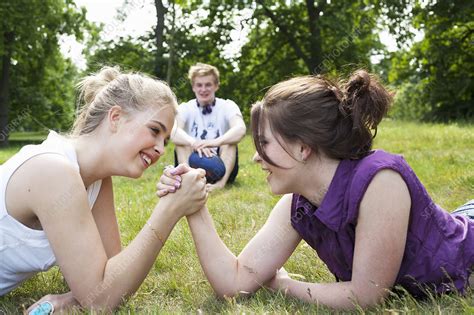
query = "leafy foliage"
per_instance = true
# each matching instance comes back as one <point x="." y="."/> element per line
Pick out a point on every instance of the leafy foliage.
<point x="281" y="39"/>
<point x="128" y="53"/>
<point x="44" y="101"/>
<point x="36" y="76"/>
<point x="436" y="76"/>
<point x="301" y="36"/>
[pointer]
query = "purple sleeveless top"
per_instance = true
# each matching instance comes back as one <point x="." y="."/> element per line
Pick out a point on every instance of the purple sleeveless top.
<point x="439" y="251"/>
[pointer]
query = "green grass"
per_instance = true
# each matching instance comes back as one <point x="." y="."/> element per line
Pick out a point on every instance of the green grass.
<point x="442" y="156"/>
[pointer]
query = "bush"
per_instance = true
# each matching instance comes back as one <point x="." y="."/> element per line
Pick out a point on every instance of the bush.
<point x="410" y="103"/>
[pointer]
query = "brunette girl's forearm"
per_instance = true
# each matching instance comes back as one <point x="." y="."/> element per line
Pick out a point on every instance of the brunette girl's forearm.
<point x="218" y="262"/>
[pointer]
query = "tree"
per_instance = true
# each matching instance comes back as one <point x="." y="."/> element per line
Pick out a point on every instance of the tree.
<point x="128" y="53"/>
<point x="326" y="35"/>
<point x="436" y="75"/>
<point x="289" y="38"/>
<point x="45" y="100"/>
<point x="161" y="11"/>
<point x="29" y="33"/>
<point x="285" y="38"/>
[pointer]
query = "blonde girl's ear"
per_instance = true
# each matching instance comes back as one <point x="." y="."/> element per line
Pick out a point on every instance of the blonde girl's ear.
<point x="114" y="116"/>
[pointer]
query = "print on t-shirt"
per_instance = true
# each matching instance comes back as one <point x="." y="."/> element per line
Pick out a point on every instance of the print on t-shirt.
<point x="209" y="132"/>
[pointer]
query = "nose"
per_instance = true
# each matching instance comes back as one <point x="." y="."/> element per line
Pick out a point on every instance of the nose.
<point x="160" y="147"/>
<point x="256" y="158"/>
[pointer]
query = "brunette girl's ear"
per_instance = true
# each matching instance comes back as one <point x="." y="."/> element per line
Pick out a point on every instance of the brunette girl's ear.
<point x="305" y="152"/>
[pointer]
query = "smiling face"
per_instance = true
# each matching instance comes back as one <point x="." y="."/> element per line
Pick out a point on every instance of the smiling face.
<point x="281" y="177"/>
<point x="205" y="88"/>
<point x="141" y="139"/>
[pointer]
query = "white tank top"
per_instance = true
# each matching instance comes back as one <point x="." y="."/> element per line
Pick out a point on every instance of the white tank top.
<point x="25" y="251"/>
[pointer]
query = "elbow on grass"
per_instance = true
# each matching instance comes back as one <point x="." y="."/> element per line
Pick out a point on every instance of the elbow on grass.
<point x="101" y="303"/>
<point x="369" y="298"/>
<point x="232" y="294"/>
<point x="229" y="293"/>
<point x="226" y="293"/>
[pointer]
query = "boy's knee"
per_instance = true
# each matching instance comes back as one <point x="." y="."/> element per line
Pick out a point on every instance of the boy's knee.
<point x="227" y="150"/>
<point x="228" y="147"/>
<point x="214" y="166"/>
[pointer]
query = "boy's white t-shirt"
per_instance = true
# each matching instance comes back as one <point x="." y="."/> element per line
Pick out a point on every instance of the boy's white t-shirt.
<point x="209" y="126"/>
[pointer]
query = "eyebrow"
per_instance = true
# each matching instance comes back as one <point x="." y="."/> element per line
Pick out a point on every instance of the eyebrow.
<point x="161" y="125"/>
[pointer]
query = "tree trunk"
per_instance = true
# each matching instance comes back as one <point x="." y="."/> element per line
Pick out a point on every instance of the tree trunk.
<point x="315" y="43"/>
<point x="169" y="69"/>
<point x="4" y="89"/>
<point x="159" y="31"/>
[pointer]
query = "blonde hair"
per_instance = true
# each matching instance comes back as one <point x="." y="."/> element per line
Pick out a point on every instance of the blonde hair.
<point x="100" y="91"/>
<point x="201" y="70"/>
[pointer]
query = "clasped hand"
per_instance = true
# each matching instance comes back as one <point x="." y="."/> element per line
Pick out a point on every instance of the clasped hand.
<point x="187" y="185"/>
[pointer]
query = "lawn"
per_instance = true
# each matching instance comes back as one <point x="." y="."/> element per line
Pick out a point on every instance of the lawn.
<point x="442" y="156"/>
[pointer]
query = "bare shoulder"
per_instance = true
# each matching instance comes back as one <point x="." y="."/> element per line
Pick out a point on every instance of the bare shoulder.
<point x="50" y="167"/>
<point x="46" y="180"/>
<point x="282" y="210"/>
<point x="387" y="176"/>
<point x="387" y="191"/>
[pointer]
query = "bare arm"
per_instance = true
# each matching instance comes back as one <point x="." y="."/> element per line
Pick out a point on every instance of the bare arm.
<point x="96" y="280"/>
<point x="179" y="136"/>
<point x="258" y="261"/>
<point x="235" y="133"/>
<point x="106" y="220"/>
<point x="379" y="246"/>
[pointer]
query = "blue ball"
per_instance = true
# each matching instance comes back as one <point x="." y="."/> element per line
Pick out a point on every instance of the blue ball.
<point x="214" y="166"/>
